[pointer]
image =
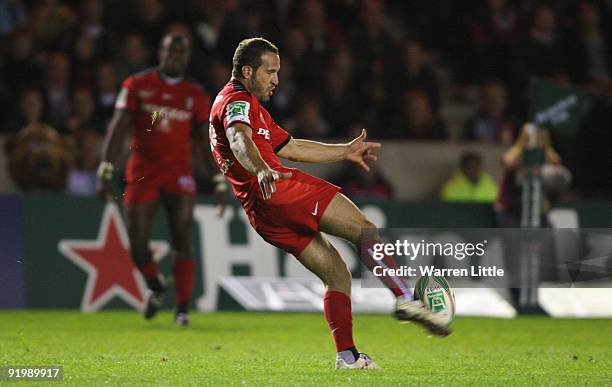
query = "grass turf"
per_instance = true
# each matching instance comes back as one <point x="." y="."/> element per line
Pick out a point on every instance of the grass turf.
<point x="118" y="347"/>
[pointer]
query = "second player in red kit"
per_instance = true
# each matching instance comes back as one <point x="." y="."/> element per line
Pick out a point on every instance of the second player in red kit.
<point x="166" y="114"/>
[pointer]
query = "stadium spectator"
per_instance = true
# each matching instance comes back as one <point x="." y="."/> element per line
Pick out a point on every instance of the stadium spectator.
<point x="105" y="91"/>
<point x="149" y="22"/>
<point x="308" y="120"/>
<point x="83" y="113"/>
<point x="22" y="66"/>
<point x="83" y="60"/>
<point x="509" y="201"/>
<point x="218" y="72"/>
<point x="494" y="34"/>
<point x="417" y="120"/>
<point x="215" y="28"/>
<point x="322" y="34"/>
<point x="13" y="16"/>
<point x="542" y="53"/>
<point x="283" y="101"/>
<point x="376" y="32"/>
<point x="594" y="165"/>
<point x="38" y="159"/>
<point x="53" y="25"/>
<point x="374" y="48"/>
<point x="30" y="111"/>
<point x="339" y="105"/>
<point x="82" y="176"/>
<point x="414" y="72"/>
<point x="591" y="49"/>
<point x="57" y="90"/>
<point x="492" y="123"/>
<point x="134" y="56"/>
<point x="470" y="183"/>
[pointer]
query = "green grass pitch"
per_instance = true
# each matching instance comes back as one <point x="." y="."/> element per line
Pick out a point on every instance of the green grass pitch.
<point x="290" y="349"/>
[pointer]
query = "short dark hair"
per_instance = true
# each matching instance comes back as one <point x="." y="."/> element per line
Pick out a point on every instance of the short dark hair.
<point x="248" y="53"/>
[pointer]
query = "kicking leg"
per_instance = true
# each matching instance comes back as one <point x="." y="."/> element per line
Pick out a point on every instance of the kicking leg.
<point x="139" y="221"/>
<point x="179" y="209"/>
<point x="321" y="258"/>
<point x="342" y="218"/>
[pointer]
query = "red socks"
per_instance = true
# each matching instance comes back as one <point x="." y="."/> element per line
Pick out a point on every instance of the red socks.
<point x="337" y="307"/>
<point x="149" y="270"/>
<point x="395" y="284"/>
<point x="183" y="271"/>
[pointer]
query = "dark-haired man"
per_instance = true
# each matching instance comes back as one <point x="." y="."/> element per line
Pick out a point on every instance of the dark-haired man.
<point x="166" y="111"/>
<point x="289" y="208"/>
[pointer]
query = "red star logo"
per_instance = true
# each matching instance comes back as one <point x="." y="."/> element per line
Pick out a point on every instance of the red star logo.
<point x="108" y="264"/>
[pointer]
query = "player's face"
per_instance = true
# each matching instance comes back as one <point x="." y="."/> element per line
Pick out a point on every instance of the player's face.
<point x="174" y="56"/>
<point x="265" y="78"/>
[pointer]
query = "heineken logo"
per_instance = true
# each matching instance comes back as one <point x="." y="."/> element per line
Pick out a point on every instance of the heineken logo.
<point x="108" y="264"/>
<point x="436" y="300"/>
<point x="238" y="111"/>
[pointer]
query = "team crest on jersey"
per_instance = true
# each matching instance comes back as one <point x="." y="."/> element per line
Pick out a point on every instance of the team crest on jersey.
<point x="238" y="111"/>
<point x="188" y="103"/>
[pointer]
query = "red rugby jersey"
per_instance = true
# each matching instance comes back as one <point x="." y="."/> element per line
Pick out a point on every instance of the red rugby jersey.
<point x="235" y="104"/>
<point x="163" y="145"/>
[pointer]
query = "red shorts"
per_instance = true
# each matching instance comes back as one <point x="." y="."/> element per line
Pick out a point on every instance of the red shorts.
<point x="150" y="186"/>
<point x="290" y="219"/>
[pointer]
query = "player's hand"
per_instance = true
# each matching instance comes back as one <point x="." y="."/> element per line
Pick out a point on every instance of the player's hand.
<point x="359" y="151"/>
<point x="104" y="186"/>
<point x="266" y="179"/>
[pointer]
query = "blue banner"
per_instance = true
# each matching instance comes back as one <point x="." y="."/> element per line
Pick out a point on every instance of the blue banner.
<point x="12" y="259"/>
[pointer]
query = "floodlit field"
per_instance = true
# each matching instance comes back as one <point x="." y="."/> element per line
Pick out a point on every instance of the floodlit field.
<point x="296" y="349"/>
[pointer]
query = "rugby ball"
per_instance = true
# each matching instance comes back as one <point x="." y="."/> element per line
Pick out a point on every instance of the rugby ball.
<point x="437" y="295"/>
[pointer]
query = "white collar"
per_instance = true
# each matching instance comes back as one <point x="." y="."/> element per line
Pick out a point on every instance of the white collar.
<point x="170" y="80"/>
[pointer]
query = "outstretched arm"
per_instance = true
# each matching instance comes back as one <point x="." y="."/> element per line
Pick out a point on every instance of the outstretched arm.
<point x="358" y="151"/>
<point x="240" y="137"/>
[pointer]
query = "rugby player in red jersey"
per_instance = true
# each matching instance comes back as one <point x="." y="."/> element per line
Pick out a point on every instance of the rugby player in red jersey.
<point x="164" y="112"/>
<point x="289" y="208"/>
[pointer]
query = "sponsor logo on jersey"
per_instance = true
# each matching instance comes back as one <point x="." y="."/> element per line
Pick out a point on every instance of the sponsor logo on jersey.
<point x="146" y="93"/>
<point x="264" y="132"/>
<point x="238" y="111"/>
<point x="167" y="112"/>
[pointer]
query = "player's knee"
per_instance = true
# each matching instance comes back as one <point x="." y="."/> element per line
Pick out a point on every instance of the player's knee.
<point x="339" y="278"/>
<point x="364" y="226"/>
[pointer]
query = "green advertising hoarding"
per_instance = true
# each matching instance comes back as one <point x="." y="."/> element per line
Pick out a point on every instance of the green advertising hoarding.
<point x="77" y="251"/>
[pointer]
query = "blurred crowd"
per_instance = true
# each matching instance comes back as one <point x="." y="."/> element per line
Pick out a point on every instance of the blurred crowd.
<point x="438" y="70"/>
